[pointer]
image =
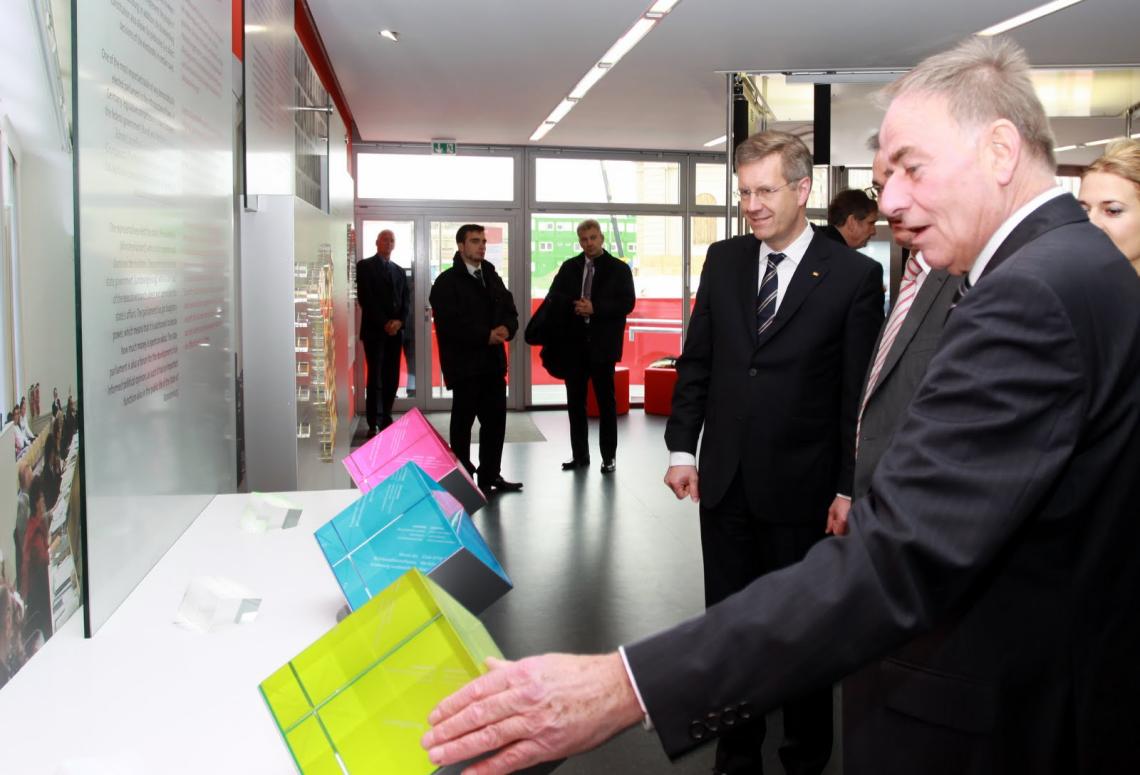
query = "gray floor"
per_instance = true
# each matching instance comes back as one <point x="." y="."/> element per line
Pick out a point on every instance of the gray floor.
<point x="598" y="561"/>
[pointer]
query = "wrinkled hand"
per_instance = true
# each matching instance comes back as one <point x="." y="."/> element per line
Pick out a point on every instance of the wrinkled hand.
<point x="392" y="326"/>
<point x="837" y="516"/>
<point x="682" y="480"/>
<point x="534" y="710"/>
<point x="584" y="307"/>
<point x="499" y="335"/>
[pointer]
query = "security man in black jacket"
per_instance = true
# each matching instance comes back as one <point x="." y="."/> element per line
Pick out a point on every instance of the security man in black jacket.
<point x="385" y="305"/>
<point x="474" y="315"/>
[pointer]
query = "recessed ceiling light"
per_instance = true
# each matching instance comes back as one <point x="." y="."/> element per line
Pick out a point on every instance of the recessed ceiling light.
<point x="540" y="133"/>
<point x="391" y="35"/>
<point x="588" y="80"/>
<point x="716" y="141"/>
<point x="626" y="42"/>
<point x="1061" y="148"/>
<point x="619" y="49"/>
<point x="1029" y="16"/>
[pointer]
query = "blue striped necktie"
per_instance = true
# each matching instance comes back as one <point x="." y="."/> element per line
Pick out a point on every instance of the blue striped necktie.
<point x="766" y="298"/>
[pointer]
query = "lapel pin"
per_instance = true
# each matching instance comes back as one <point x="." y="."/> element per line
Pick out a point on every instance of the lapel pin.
<point x="815" y="274"/>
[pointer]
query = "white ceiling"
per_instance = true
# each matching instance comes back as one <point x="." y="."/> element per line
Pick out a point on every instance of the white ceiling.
<point x="490" y="72"/>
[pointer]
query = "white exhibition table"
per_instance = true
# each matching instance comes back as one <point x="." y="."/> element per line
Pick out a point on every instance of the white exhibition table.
<point x="146" y="696"/>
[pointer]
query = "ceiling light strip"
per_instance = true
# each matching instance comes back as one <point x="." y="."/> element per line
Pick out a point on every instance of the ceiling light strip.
<point x="1031" y="15"/>
<point x="622" y="46"/>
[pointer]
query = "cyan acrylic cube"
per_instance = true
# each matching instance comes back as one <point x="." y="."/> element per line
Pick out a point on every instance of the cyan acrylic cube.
<point x="410" y="521"/>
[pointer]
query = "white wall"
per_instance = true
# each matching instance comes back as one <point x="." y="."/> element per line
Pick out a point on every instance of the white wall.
<point x="46" y="254"/>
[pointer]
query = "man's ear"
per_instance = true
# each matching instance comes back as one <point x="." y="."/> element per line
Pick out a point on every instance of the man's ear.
<point x="1003" y="149"/>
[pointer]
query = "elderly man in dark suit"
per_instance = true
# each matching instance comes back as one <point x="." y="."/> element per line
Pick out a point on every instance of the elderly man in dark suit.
<point x="994" y="557"/>
<point x="382" y="293"/>
<point x="778" y="344"/>
<point x="475" y="316"/>
<point x="591" y="296"/>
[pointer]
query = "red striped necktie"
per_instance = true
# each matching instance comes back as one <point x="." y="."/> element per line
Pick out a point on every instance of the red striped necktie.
<point x="908" y="289"/>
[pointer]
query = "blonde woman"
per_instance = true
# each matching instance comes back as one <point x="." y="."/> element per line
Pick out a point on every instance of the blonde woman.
<point x="1110" y="193"/>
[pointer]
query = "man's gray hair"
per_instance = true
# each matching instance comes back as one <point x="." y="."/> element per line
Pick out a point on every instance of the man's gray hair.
<point x="873" y="144"/>
<point x="587" y="225"/>
<point x="794" y="155"/>
<point x="984" y="79"/>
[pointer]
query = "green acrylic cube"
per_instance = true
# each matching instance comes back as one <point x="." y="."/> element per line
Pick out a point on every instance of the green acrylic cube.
<point x="357" y="699"/>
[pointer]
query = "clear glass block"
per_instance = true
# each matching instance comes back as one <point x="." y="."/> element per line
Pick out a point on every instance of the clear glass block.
<point x="213" y="603"/>
<point x="269" y="511"/>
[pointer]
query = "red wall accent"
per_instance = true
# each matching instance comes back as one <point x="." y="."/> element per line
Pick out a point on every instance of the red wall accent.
<point x="237" y="29"/>
<point x="310" y="39"/>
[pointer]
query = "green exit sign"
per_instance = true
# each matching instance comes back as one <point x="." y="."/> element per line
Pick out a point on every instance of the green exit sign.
<point x="443" y="147"/>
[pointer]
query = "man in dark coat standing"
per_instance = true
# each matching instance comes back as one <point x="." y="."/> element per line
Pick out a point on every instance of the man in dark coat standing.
<point x="594" y="292"/>
<point x="382" y="293"/>
<point x="474" y="315"/>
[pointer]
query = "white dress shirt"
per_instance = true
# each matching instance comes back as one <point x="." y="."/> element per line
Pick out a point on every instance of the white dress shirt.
<point x="793" y="254"/>
<point x="1011" y="223"/>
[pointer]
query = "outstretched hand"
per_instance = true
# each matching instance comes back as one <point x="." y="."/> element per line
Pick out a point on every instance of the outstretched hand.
<point x="534" y="710"/>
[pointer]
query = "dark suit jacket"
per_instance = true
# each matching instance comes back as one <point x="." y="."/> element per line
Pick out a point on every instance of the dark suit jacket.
<point x="613" y="296"/>
<point x="902" y="372"/>
<point x="781" y="407"/>
<point x="382" y="292"/>
<point x="998" y="543"/>
<point x="465" y="312"/>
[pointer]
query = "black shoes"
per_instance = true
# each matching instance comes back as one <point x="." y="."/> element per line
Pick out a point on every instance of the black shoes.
<point x="608" y="466"/>
<point x="499" y="484"/>
<point x="372" y="431"/>
<point x="577" y="462"/>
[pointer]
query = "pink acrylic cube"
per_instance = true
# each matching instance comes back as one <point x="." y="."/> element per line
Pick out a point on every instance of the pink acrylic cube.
<point x="412" y="438"/>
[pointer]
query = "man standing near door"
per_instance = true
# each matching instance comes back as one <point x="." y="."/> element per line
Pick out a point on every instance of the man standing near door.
<point x="474" y="316"/>
<point x="382" y="293"/>
<point x="596" y="290"/>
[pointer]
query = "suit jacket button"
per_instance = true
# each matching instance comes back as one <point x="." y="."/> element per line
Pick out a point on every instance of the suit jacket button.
<point x="698" y="731"/>
<point x="712" y="721"/>
<point x="728" y="717"/>
<point x="744" y="710"/>
<point x="752" y="372"/>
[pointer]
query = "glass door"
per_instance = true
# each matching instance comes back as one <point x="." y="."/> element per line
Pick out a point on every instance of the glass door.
<point x="425" y="246"/>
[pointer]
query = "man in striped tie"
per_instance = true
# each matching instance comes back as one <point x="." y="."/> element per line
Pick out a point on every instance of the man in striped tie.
<point x="905" y="345"/>
<point x="769" y="379"/>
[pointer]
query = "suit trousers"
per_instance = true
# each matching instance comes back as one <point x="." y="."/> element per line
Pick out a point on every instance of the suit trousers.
<point x="738" y="548"/>
<point x="579" y="373"/>
<point x="483" y="397"/>
<point x="382" y="356"/>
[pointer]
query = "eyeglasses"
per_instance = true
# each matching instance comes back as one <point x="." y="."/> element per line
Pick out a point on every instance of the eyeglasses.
<point x="873" y="192"/>
<point x="763" y="193"/>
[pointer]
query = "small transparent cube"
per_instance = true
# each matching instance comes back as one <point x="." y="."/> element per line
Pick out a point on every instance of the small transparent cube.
<point x="213" y="603"/>
<point x="410" y="521"/>
<point x="412" y="438"/>
<point x="357" y="699"/>
<point x="269" y="511"/>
